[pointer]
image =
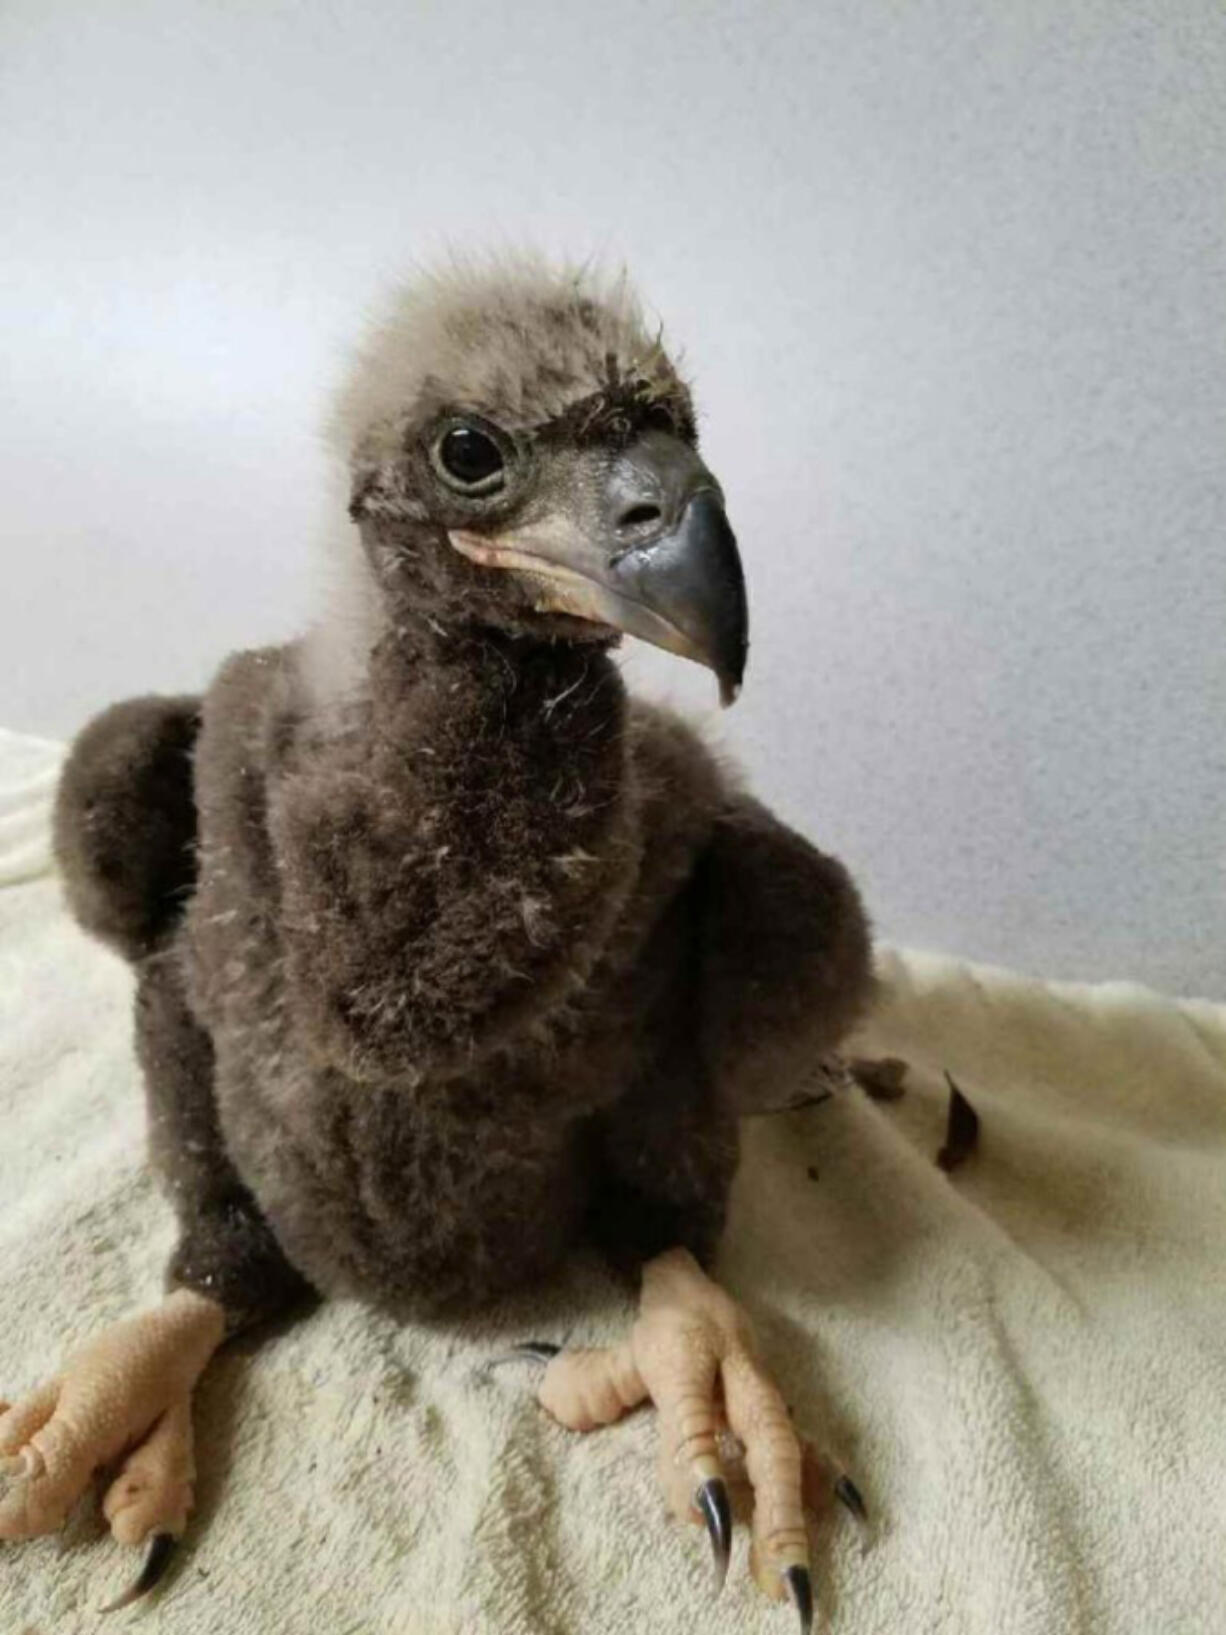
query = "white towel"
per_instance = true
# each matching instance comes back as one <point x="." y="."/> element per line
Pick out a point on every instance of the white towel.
<point x="1024" y="1363"/>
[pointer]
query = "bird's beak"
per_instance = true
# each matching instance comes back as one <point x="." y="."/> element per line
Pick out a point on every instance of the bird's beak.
<point x="638" y="542"/>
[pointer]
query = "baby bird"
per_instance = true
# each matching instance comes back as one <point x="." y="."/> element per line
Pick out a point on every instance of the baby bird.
<point x="451" y="956"/>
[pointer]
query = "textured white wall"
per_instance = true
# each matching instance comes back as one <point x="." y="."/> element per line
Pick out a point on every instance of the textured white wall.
<point x="952" y="281"/>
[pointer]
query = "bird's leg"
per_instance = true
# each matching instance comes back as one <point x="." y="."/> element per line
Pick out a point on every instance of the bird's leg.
<point x="127" y="1392"/>
<point x="692" y="1352"/>
<point x="123" y="1402"/>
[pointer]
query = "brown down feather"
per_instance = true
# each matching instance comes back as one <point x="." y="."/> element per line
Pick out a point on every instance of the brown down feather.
<point x="450" y="955"/>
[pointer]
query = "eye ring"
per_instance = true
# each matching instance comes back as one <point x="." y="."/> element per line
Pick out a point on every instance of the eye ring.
<point x="470" y="458"/>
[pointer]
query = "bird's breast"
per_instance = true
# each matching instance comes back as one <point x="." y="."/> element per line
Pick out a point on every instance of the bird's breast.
<point x="411" y="1203"/>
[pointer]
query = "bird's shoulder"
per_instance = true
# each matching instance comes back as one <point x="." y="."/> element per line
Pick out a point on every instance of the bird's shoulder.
<point x="681" y="787"/>
<point x="246" y="708"/>
<point x="673" y="765"/>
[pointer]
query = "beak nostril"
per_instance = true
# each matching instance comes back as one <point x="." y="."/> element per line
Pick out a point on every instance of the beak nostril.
<point x="638" y="516"/>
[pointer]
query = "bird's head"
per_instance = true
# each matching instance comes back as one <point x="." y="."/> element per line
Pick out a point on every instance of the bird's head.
<point x="523" y="456"/>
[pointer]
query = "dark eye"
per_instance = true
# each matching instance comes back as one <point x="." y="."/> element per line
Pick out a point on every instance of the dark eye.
<point x="471" y="458"/>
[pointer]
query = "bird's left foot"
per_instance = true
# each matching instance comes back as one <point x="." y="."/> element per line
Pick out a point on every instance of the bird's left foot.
<point x="692" y="1352"/>
<point x="123" y="1397"/>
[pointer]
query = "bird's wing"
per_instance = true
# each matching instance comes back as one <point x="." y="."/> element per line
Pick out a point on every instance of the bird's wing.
<point x="125" y="821"/>
<point x="786" y="957"/>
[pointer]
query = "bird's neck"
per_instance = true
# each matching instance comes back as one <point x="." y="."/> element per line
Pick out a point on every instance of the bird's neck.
<point x="414" y="659"/>
<point x="479" y="819"/>
<point x="476" y="726"/>
<point x="478" y="698"/>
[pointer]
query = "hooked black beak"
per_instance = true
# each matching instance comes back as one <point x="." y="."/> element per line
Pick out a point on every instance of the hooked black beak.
<point x="641" y="544"/>
<point x="689" y="578"/>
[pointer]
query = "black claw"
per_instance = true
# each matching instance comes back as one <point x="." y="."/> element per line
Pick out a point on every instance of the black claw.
<point x="539" y="1350"/>
<point x="849" y="1494"/>
<point x="711" y="1501"/>
<point x="962" y="1130"/>
<point x="161" y="1550"/>
<point x="800" y="1588"/>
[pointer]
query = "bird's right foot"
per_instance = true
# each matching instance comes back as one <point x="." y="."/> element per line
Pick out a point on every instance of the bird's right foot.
<point x="126" y="1393"/>
<point x="722" y="1419"/>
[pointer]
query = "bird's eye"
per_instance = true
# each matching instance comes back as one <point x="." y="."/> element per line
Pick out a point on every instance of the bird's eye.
<point x="470" y="459"/>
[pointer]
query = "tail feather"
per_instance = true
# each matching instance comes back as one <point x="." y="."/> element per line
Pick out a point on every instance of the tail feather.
<point x="125" y="821"/>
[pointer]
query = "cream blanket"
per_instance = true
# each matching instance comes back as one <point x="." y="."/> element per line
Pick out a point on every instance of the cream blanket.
<point x="1024" y="1363"/>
